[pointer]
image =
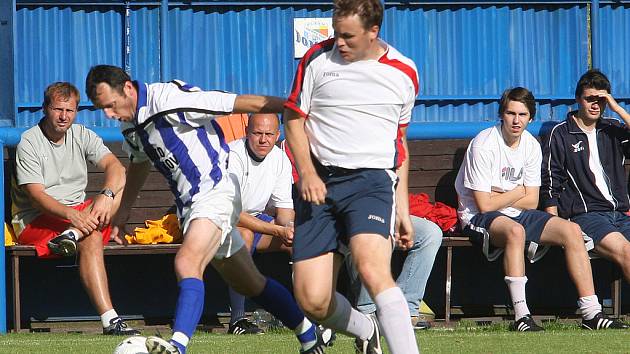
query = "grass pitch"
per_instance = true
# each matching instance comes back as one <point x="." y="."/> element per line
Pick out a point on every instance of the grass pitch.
<point x="558" y="338"/>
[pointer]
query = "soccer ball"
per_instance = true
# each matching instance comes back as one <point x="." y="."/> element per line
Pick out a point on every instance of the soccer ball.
<point x="132" y="345"/>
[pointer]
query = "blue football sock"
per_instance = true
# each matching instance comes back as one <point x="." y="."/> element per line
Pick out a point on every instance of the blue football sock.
<point x="278" y="301"/>
<point x="237" y="306"/>
<point x="189" y="306"/>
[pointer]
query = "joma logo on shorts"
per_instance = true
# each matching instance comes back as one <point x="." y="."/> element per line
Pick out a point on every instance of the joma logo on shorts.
<point x="377" y="218"/>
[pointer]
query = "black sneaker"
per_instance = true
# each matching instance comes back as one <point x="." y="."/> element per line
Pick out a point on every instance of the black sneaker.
<point x="159" y="345"/>
<point x="422" y="325"/>
<point x="526" y="324"/>
<point x="118" y="327"/>
<point x="63" y="245"/>
<point x="600" y="321"/>
<point x="325" y="338"/>
<point x="244" y="326"/>
<point x="373" y="344"/>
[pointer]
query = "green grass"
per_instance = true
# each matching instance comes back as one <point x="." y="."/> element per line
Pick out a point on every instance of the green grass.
<point x="466" y="338"/>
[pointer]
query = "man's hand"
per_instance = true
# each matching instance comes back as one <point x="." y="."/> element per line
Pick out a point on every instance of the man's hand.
<point x="287" y="234"/>
<point x="101" y="209"/>
<point x="312" y="189"/>
<point x="404" y="232"/>
<point x="119" y="227"/>
<point x="83" y="221"/>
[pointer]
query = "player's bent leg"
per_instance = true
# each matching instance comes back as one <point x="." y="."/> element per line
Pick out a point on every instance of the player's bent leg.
<point x="313" y="285"/>
<point x="241" y="274"/>
<point x="509" y="235"/>
<point x="94" y="279"/>
<point x="372" y="256"/>
<point x="568" y="235"/>
<point x="616" y="248"/>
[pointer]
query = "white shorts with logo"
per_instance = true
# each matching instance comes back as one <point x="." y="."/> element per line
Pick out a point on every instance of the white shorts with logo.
<point x="220" y="204"/>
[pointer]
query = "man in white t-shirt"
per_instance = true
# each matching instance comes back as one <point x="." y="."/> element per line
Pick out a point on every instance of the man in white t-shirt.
<point x="263" y="174"/>
<point x="497" y="187"/>
<point x="346" y="120"/>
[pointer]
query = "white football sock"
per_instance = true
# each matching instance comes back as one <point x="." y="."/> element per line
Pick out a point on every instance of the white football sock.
<point x="348" y="320"/>
<point x="516" y="286"/>
<point x="589" y="306"/>
<point x="393" y="317"/>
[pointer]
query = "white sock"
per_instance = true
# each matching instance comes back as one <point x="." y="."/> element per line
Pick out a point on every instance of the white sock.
<point x="516" y="286"/>
<point x="348" y="320"/>
<point x="180" y="338"/>
<point x="589" y="306"/>
<point x="393" y="317"/>
<point x="107" y="317"/>
<point x="72" y="233"/>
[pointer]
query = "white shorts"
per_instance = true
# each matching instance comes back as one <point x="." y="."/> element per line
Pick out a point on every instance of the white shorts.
<point x="220" y="204"/>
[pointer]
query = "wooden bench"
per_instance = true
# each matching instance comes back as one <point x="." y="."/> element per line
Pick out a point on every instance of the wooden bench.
<point x="433" y="169"/>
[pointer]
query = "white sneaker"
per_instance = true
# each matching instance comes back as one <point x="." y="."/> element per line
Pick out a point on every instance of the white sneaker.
<point x="157" y="345"/>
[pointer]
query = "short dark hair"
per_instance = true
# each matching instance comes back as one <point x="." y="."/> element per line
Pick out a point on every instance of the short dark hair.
<point x="594" y="79"/>
<point x="518" y="94"/>
<point x="60" y="89"/>
<point x="114" y="76"/>
<point x="370" y="11"/>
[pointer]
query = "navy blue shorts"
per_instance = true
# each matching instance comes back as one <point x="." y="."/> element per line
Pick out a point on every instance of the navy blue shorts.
<point x="257" y="235"/>
<point x="533" y="221"/>
<point x="598" y="224"/>
<point x="357" y="202"/>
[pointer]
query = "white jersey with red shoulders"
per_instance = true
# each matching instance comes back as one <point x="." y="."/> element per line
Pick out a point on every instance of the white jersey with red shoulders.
<point x="175" y="128"/>
<point x="354" y="110"/>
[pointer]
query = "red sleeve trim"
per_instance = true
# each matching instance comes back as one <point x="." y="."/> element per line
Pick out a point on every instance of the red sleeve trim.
<point x="408" y="70"/>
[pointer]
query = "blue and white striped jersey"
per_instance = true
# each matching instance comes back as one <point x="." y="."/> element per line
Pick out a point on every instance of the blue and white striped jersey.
<point x="174" y="127"/>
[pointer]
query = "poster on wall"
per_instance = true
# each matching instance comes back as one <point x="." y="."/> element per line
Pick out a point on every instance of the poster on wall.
<point x="308" y="31"/>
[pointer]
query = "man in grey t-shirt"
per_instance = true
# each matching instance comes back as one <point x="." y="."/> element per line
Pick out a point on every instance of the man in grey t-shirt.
<point x="49" y="196"/>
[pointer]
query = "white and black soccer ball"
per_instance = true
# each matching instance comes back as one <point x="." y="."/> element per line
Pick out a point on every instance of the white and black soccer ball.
<point x="132" y="345"/>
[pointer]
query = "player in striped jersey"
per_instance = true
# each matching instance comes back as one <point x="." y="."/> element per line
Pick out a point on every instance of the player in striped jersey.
<point x="171" y="125"/>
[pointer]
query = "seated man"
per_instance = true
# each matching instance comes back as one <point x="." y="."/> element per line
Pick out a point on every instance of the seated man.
<point x="414" y="275"/>
<point x="263" y="172"/>
<point x="497" y="187"/>
<point x="49" y="197"/>
<point x="583" y="175"/>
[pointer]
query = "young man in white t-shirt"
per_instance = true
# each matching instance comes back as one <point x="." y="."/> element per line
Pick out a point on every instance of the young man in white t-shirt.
<point x="497" y="187"/>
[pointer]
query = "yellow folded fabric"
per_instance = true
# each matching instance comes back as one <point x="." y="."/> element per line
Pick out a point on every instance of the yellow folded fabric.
<point x="9" y="235"/>
<point x="165" y="230"/>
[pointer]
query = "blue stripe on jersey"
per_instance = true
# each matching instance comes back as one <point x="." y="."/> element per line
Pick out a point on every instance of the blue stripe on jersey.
<point x="181" y="117"/>
<point x="215" y="173"/>
<point x="155" y="158"/>
<point x="217" y="128"/>
<point x="176" y="146"/>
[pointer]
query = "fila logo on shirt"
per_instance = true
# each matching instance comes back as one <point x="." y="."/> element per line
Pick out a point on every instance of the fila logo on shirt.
<point x="509" y="174"/>
<point x="577" y="146"/>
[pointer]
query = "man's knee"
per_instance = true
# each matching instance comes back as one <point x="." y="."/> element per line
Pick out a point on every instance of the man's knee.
<point x="515" y="235"/>
<point x="316" y="307"/>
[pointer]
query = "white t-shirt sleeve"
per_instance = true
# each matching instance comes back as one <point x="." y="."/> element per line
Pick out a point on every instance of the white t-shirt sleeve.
<point x="95" y="150"/>
<point x="281" y="195"/>
<point x="533" y="165"/>
<point x="478" y="171"/>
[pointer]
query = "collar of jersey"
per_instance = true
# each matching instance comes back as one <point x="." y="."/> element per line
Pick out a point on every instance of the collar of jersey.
<point x="142" y="97"/>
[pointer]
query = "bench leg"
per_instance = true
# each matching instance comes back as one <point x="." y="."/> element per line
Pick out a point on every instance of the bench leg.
<point x="447" y="300"/>
<point x="15" y="278"/>
<point x="615" y="290"/>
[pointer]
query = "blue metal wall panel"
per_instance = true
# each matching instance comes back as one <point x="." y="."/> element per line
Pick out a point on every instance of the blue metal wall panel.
<point x="61" y="44"/>
<point x="145" y="43"/>
<point x="481" y="50"/>
<point x="239" y="49"/>
<point x="615" y="47"/>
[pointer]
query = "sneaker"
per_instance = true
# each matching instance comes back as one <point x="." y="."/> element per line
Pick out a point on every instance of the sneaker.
<point x="325" y="338"/>
<point x="244" y="326"/>
<point x="158" y="345"/>
<point x="118" y="327"/>
<point x="422" y="325"/>
<point x="63" y="245"/>
<point x="526" y="324"/>
<point x="600" y="321"/>
<point x="373" y="344"/>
